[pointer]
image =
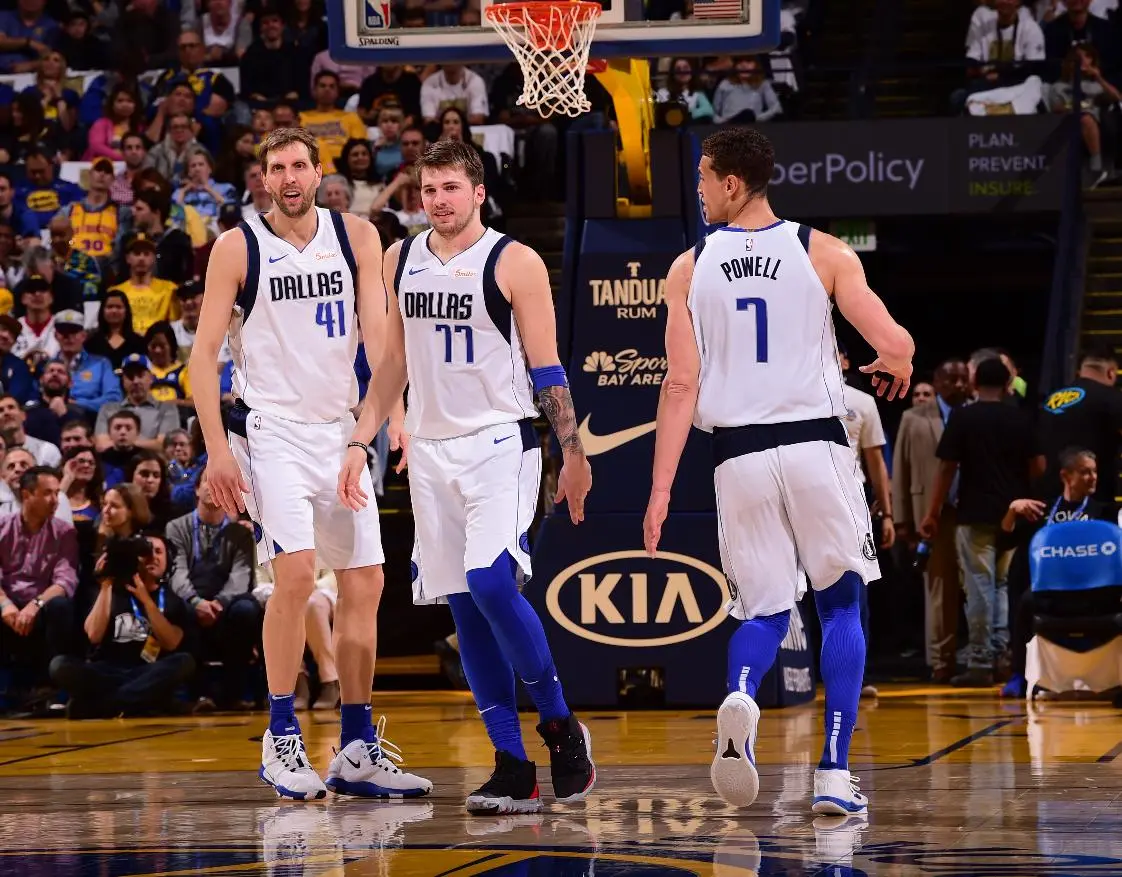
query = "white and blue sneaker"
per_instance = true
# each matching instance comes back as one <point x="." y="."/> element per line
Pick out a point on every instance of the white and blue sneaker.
<point x="733" y="772"/>
<point x="370" y="770"/>
<point x="285" y="767"/>
<point x="837" y="792"/>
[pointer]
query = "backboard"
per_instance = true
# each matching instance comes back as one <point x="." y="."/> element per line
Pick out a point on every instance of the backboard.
<point x="361" y="32"/>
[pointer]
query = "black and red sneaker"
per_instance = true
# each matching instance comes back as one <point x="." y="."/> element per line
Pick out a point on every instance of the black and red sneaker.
<point x="570" y="758"/>
<point x="512" y="788"/>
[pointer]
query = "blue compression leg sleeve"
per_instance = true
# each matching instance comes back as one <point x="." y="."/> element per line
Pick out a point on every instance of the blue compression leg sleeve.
<point x="752" y="651"/>
<point x="843" y="664"/>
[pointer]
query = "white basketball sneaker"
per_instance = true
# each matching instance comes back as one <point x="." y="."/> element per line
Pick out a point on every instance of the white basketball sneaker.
<point x="370" y="770"/>
<point x="838" y="838"/>
<point x="837" y="792"/>
<point x="733" y="772"/>
<point x="285" y="767"/>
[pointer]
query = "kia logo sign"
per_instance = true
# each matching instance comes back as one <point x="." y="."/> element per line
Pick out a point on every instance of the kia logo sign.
<point x="628" y="599"/>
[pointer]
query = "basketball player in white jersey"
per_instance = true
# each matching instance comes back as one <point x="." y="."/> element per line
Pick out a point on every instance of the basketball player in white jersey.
<point x="471" y="326"/>
<point x="753" y="360"/>
<point x="290" y="286"/>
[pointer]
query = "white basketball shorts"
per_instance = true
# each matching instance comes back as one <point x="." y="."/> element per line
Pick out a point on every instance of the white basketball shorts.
<point x="474" y="497"/>
<point x="789" y="512"/>
<point x="292" y="470"/>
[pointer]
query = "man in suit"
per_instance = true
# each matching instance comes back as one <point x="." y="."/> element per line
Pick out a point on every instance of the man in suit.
<point x="914" y="467"/>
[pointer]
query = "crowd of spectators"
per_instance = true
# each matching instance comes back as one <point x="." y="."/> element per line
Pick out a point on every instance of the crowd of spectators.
<point x="1026" y="58"/>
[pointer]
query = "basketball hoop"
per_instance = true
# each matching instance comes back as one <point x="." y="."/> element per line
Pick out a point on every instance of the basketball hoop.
<point x="550" y="40"/>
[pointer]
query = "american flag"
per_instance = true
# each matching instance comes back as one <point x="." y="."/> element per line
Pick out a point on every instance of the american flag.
<point x="718" y="9"/>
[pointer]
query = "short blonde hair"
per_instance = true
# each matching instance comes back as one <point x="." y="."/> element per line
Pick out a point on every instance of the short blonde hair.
<point x="279" y="138"/>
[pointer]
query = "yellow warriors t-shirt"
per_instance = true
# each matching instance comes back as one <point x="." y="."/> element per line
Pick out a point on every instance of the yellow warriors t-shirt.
<point x="150" y="304"/>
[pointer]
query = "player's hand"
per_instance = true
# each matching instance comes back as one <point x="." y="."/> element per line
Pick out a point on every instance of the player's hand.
<point x="896" y="384"/>
<point x="573" y="483"/>
<point x="399" y="441"/>
<point x="350" y="489"/>
<point x="227" y="484"/>
<point x="658" y="506"/>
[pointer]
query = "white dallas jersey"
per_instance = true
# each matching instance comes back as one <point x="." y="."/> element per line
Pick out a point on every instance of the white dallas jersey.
<point x="763" y="327"/>
<point x="292" y="336"/>
<point x="467" y="369"/>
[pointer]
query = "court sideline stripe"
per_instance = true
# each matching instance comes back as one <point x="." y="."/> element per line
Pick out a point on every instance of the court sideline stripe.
<point x="472" y="864"/>
<point x="960" y="744"/>
<point x="1110" y="756"/>
<point x="81" y="747"/>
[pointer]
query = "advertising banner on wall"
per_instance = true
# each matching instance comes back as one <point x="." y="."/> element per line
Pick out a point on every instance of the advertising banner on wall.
<point x="886" y="167"/>
<point x="618" y="362"/>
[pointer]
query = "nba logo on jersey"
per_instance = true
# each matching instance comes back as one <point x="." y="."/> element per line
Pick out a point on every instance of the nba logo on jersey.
<point x="377" y="14"/>
<point x="749" y="244"/>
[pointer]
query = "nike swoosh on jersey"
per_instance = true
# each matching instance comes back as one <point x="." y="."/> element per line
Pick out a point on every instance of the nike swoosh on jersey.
<point x="503" y="439"/>
<point x="278" y="258"/>
<point x="413" y="271"/>
<point x="601" y="444"/>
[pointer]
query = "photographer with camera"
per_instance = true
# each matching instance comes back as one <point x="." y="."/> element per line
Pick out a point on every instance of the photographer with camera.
<point x="137" y="626"/>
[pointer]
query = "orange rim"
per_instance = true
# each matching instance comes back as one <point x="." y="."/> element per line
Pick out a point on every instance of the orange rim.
<point x="542" y="14"/>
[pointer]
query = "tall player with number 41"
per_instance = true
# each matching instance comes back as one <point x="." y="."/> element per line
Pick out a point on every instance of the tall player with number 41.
<point x="752" y="358"/>
<point x="288" y="285"/>
<point x="472" y="327"/>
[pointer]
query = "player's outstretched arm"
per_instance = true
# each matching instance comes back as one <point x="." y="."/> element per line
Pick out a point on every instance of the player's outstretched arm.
<point x="385" y="351"/>
<point x="866" y="313"/>
<point x="224" y="274"/>
<point x="677" y="398"/>
<point x="523" y="274"/>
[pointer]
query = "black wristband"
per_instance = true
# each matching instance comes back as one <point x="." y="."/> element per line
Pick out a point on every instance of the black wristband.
<point x="364" y="447"/>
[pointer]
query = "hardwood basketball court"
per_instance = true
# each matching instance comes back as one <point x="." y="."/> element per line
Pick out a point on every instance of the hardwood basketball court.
<point x="959" y="784"/>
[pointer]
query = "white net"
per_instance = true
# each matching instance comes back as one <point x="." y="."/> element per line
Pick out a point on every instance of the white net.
<point x="550" y="41"/>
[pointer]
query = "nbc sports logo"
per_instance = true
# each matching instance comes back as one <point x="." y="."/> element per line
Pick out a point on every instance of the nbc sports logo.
<point x="599" y="361"/>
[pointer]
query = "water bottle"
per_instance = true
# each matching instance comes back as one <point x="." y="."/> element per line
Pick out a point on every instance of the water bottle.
<point x="923" y="553"/>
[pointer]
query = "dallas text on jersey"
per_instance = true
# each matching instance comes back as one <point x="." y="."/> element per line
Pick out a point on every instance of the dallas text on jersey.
<point x="298" y="286"/>
<point x="437" y="305"/>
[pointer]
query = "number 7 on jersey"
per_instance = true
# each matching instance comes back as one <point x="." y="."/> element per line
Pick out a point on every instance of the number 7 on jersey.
<point x="759" y="306"/>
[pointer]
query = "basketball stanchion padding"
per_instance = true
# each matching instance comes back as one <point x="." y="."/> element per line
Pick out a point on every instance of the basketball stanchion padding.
<point x="551" y="42"/>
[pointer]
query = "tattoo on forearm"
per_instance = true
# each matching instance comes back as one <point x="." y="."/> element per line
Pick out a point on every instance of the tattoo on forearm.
<point x="557" y="405"/>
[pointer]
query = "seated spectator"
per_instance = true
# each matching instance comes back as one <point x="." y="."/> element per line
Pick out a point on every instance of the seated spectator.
<point x="38" y="574"/>
<point x="152" y="298"/>
<point x="138" y="629"/>
<point x="22" y="221"/>
<point x="134" y="149"/>
<point x="15" y="377"/>
<point x="214" y="94"/>
<point x="36" y="341"/>
<point x="226" y="34"/>
<point x="387" y="151"/>
<point x="76" y="266"/>
<point x="350" y="75"/>
<point x="212" y="571"/>
<point x="984" y="20"/>
<point x="154" y="419"/>
<point x="201" y="191"/>
<point x="1079" y="25"/>
<point x="16" y="461"/>
<point x="746" y="96"/>
<point x="413" y="143"/>
<point x="122" y="116"/>
<point x="331" y="126"/>
<point x="306" y="27"/>
<point x="412" y="213"/>
<point x="28" y="34"/>
<point x="78" y="44"/>
<point x="183" y="469"/>
<point x="125" y="70"/>
<point x="454" y="125"/>
<point x="12" y="419"/>
<point x="124" y="428"/>
<point x="30" y="131"/>
<point x="115" y="338"/>
<point x="76" y="434"/>
<point x="335" y="193"/>
<point x="454" y="85"/>
<point x="96" y="219"/>
<point x="171" y="383"/>
<point x="683" y="88"/>
<point x="1024" y="518"/>
<point x="257" y="198"/>
<point x="82" y="480"/>
<point x="1007" y="53"/>
<point x="190" y="295"/>
<point x="267" y="68"/>
<point x="356" y="165"/>
<point x="148" y="471"/>
<point x="285" y="115"/>
<point x="46" y="414"/>
<point x="92" y="382"/>
<point x="58" y="102"/>
<point x="147" y="29"/>
<point x="66" y="292"/>
<point x="1098" y="93"/>
<point x="43" y="195"/>
<point x="169" y="155"/>
<point x="175" y="251"/>
<point x="239" y="150"/>
<point x="390" y="85"/>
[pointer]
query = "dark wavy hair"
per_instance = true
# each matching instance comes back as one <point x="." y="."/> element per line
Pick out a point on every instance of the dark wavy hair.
<point x="126" y="326"/>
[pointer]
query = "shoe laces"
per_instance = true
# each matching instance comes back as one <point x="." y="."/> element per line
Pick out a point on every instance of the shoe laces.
<point x="855" y="785"/>
<point x="382" y="748"/>
<point x="291" y="752"/>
